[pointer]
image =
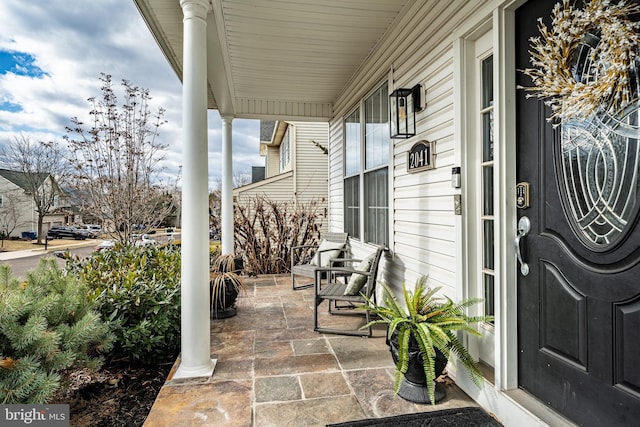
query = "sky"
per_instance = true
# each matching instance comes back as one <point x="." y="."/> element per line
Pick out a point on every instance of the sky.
<point x="52" y="53"/>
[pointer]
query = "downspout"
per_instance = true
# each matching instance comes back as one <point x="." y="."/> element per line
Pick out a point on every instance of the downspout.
<point x="293" y="147"/>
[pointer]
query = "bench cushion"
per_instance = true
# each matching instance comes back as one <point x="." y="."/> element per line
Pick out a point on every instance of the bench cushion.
<point x="327" y="250"/>
<point x="357" y="281"/>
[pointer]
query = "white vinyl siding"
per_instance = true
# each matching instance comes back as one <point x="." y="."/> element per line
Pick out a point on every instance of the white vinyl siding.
<point x="421" y="204"/>
<point x="310" y="161"/>
<point x="336" y="178"/>
<point x="272" y="162"/>
<point x="277" y="188"/>
<point x="306" y="176"/>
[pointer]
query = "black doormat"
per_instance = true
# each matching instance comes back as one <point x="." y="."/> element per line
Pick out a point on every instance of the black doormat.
<point x="466" y="417"/>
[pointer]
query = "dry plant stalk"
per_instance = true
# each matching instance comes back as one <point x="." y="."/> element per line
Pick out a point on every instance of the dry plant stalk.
<point x="266" y="230"/>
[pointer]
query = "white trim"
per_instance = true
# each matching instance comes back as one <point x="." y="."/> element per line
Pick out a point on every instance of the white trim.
<point x="482" y="48"/>
<point x="507" y="343"/>
<point x="503" y="398"/>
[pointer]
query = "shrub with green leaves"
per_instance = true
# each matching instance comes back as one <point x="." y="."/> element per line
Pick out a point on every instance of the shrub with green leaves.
<point x="47" y="327"/>
<point x="137" y="290"/>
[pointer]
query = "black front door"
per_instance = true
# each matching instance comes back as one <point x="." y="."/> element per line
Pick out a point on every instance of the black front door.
<point x="579" y="305"/>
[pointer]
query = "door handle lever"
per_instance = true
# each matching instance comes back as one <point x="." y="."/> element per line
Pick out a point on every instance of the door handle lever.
<point x="524" y="226"/>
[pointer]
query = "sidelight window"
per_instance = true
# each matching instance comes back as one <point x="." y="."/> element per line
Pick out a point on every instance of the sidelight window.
<point x="486" y="166"/>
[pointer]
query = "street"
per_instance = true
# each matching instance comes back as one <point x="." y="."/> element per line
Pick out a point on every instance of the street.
<point x="20" y="266"/>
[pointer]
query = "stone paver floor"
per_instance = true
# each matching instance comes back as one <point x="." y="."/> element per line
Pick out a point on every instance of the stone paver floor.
<point x="274" y="370"/>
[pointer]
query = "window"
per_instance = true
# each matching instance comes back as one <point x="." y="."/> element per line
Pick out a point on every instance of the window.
<point x="1" y="200"/>
<point x="486" y="166"/>
<point x="285" y="152"/>
<point x="366" y="142"/>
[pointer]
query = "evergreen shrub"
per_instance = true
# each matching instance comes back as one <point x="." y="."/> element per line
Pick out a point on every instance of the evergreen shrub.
<point x="47" y="328"/>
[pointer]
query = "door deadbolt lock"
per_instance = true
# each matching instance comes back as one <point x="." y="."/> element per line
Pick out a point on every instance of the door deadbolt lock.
<point x="522" y="195"/>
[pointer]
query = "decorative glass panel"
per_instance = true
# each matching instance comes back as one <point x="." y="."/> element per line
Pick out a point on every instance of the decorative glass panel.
<point x="599" y="176"/>
<point x="599" y="156"/>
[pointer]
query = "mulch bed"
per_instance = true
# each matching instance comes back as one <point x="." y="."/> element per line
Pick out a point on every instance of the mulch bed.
<point x="116" y="395"/>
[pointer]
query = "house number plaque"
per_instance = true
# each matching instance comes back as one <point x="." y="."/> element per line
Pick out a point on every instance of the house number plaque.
<point x="421" y="156"/>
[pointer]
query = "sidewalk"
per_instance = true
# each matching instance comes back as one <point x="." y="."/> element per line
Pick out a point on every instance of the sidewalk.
<point x="60" y="245"/>
<point x="57" y="245"/>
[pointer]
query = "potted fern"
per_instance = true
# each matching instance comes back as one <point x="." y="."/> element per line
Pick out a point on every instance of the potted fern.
<point x="225" y="285"/>
<point x="422" y="334"/>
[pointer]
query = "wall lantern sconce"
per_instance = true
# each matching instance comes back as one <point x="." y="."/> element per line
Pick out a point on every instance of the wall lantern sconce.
<point x="403" y="105"/>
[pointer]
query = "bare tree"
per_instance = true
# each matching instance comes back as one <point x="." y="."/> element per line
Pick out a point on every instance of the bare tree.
<point x="241" y="178"/>
<point x="11" y="204"/>
<point x="215" y="208"/>
<point x="116" y="160"/>
<point x="42" y="168"/>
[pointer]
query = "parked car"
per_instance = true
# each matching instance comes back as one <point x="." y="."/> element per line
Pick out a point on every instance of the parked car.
<point x="105" y="245"/>
<point x="144" y="240"/>
<point x="62" y="232"/>
<point x="91" y="230"/>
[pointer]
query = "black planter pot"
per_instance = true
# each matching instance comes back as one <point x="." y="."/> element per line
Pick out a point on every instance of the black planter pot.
<point x="414" y="384"/>
<point x="222" y="308"/>
<point x="239" y="264"/>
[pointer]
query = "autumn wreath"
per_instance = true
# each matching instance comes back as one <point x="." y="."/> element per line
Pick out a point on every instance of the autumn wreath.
<point x="608" y="81"/>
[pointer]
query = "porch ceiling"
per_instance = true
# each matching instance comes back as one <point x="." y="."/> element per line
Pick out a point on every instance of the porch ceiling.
<point x="278" y="58"/>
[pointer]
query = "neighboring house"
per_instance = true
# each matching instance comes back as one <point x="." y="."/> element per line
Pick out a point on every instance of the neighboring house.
<point x="564" y="290"/>
<point x="295" y="164"/>
<point x="17" y="211"/>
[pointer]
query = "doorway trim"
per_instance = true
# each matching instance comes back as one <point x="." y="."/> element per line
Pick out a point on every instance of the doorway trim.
<point x="498" y="22"/>
<point x="502" y="397"/>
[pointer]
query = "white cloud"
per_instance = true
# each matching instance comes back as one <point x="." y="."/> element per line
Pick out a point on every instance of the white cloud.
<point x="73" y="41"/>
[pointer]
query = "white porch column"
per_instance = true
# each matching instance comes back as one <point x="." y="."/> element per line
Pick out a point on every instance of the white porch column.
<point x="195" y="356"/>
<point x="227" y="187"/>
